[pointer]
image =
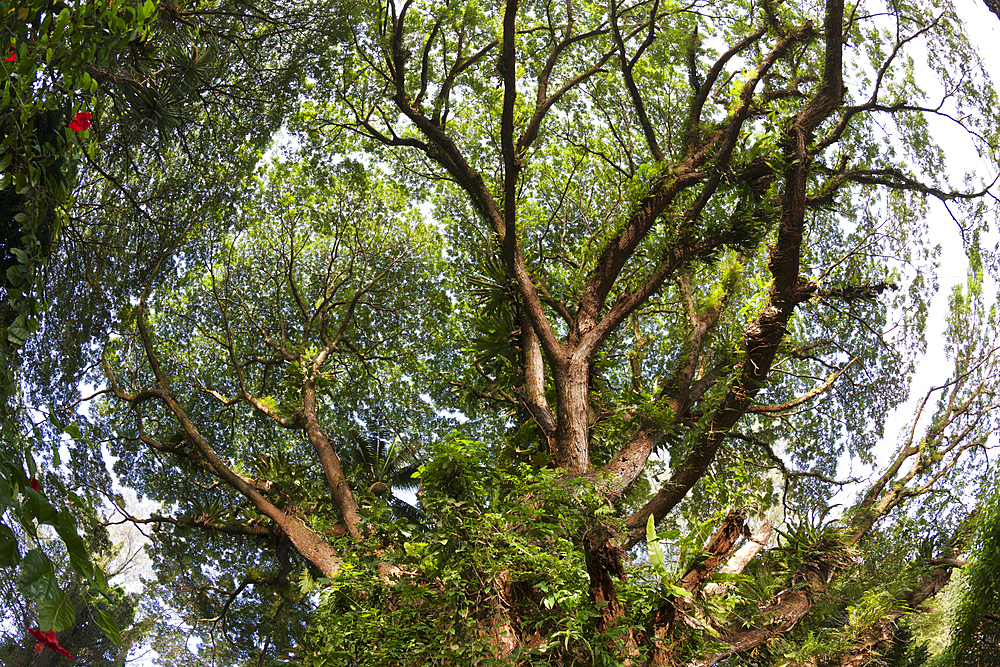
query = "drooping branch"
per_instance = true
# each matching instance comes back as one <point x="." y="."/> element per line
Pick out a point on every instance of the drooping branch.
<point x="206" y="523"/>
<point x="898" y="180"/>
<point x="787" y="472"/>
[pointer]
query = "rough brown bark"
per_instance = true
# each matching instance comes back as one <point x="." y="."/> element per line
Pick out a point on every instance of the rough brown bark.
<point x="534" y="383"/>
<point x="780" y="615"/>
<point x="718" y="548"/>
<point x="327" y="454"/>
<point x="604" y="565"/>
<point x="742" y="558"/>
<point x="572" y="442"/>
<point x="628" y="463"/>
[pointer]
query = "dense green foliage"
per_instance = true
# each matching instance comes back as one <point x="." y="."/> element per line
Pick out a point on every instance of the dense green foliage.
<point x="976" y="627"/>
<point x="616" y="289"/>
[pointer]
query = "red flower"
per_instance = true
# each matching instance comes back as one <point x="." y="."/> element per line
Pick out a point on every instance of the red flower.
<point x="34" y="483"/>
<point x="81" y="121"/>
<point x="12" y="57"/>
<point x="48" y="639"/>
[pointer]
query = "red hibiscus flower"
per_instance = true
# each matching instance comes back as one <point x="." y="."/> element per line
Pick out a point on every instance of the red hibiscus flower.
<point x="48" y="639"/>
<point x="80" y="122"/>
<point x="12" y="54"/>
<point x="34" y="483"/>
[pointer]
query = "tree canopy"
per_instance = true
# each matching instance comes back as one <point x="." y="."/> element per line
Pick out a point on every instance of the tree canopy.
<point x="626" y="292"/>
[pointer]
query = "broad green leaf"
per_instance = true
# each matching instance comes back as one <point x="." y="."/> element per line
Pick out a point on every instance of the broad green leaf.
<point x="37" y="578"/>
<point x="38" y="507"/>
<point x="656" y="558"/>
<point x="6" y="495"/>
<point x="675" y="590"/>
<point x="56" y="615"/>
<point x="10" y="555"/>
<point x="16" y="334"/>
<point x="79" y="558"/>
<point x="107" y="625"/>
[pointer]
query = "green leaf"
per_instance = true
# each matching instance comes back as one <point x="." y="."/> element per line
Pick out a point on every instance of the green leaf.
<point x="32" y="467"/>
<point x="78" y="556"/>
<point x="656" y="558"/>
<point x="675" y="590"/>
<point x="40" y="508"/>
<point x="10" y="555"/>
<point x="56" y="615"/>
<point x="63" y="20"/>
<point x="107" y="625"/>
<point x="6" y="495"/>
<point x="38" y="578"/>
<point x="16" y="334"/>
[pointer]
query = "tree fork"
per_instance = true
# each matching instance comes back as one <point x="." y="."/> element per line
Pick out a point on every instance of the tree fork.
<point x="307" y="541"/>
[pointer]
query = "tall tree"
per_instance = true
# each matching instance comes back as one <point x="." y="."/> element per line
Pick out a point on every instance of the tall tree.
<point x="674" y="273"/>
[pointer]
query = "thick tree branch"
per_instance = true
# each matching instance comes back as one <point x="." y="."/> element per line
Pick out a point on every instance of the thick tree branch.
<point x="763" y="336"/>
<point x="329" y="460"/>
<point x="628" y="463"/>
<point x="665" y="188"/>
<point x="718" y="548"/>
<point x="739" y="560"/>
<point x="534" y="383"/>
<point x="207" y="524"/>
<point x="446" y="153"/>
<point x="694" y="117"/>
